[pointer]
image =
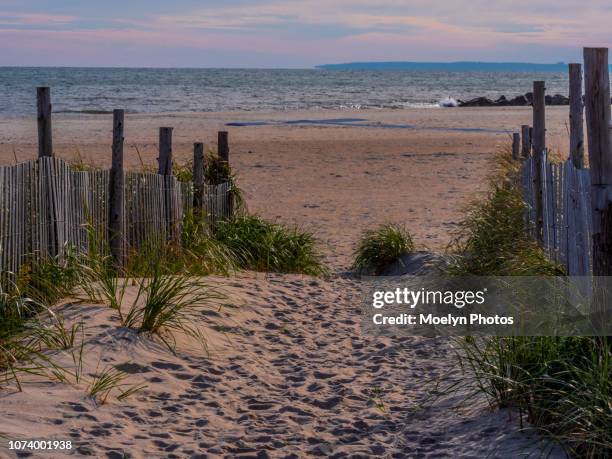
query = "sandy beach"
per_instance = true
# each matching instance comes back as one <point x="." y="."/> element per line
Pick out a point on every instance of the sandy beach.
<point x="334" y="180"/>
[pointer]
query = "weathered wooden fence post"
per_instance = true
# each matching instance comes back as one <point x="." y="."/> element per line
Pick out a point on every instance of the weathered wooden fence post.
<point x="165" y="170"/>
<point x="51" y="213"/>
<point x="43" y="103"/>
<point x="223" y="151"/>
<point x="516" y="145"/>
<point x="526" y="141"/>
<point x="223" y="146"/>
<point x="538" y="141"/>
<point x="576" y="116"/>
<point x="116" y="192"/>
<point x="597" y="109"/>
<point x="198" y="178"/>
<point x="165" y="151"/>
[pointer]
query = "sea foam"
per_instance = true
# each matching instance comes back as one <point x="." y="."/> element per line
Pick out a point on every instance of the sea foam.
<point x="448" y="102"/>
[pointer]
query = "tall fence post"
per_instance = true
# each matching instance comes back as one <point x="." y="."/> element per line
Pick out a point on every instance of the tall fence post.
<point x="516" y="145"/>
<point x="43" y="105"/>
<point x="597" y="109"/>
<point x="165" y="151"/>
<point x="198" y="178"/>
<point x="223" y="152"/>
<point x="165" y="170"/>
<point x="223" y="146"/>
<point x="526" y="141"/>
<point x="576" y="116"/>
<point x="538" y="141"/>
<point x="116" y="191"/>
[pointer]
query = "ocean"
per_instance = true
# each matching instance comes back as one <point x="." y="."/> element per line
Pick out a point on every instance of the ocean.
<point x="100" y="90"/>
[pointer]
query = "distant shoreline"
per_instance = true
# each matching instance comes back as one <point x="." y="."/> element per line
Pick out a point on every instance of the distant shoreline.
<point x="464" y="66"/>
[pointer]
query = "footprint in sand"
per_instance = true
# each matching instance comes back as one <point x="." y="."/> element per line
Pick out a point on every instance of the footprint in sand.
<point x="167" y="366"/>
<point x="328" y="403"/>
<point x="323" y="375"/>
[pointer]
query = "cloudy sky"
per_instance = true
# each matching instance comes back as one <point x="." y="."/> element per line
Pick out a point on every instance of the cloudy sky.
<point x="296" y="33"/>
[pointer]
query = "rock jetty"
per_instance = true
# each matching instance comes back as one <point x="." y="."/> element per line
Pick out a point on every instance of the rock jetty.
<point x="519" y="101"/>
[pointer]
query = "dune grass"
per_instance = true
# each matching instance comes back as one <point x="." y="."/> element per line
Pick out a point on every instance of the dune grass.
<point x="50" y="279"/>
<point x="380" y="247"/>
<point x="261" y="245"/>
<point x="201" y="252"/>
<point x="25" y="336"/>
<point x="166" y="303"/>
<point x="28" y="326"/>
<point x="493" y="239"/>
<point x="109" y="380"/>
<point x="561" y="384"/>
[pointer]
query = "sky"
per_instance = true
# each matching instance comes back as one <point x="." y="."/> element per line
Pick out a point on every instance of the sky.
<point x="296" y="33"/>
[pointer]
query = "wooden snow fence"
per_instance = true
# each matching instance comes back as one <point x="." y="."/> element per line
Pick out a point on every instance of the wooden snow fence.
<point x="566" y="212"/>
<point x="46" y="208"/>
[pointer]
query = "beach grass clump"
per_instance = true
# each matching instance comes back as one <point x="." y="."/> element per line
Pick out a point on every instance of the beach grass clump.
<point x="261" y="245"/>
<point x="167" y="303"/>
<point x="51" y="278"/>
<point x="24" y="337"/>
<point x="201" y="252"/>
<point x="28" y="326"/>
<point x="561" y="384"/>
<point x="16" y="309"/>
<point x="494" y="238"/>
<point x="108" y="380"/>
<point x="52" y="332"/>
<point x="169" y="296"/>
<point x="380" y="247"/>
<point x="197" y="253"/>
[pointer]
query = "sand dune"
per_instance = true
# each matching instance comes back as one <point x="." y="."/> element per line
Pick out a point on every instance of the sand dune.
<point x="288" y="375"/>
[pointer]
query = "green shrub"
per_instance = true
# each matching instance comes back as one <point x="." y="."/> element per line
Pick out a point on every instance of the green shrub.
<point x="382" y="246"/>
<point x="264" y="246"/>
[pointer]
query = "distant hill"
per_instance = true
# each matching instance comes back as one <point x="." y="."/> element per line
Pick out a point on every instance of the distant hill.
<point x="449" y="66"/>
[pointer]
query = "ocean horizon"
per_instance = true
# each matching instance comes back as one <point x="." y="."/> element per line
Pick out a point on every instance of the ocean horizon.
<point x="96" y="90"/>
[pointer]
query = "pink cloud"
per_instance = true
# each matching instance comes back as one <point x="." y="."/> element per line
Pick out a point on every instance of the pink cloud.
<point x="14" y="19"/>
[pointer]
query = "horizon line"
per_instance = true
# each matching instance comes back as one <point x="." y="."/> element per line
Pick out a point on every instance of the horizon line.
<point x="313" y="67"/>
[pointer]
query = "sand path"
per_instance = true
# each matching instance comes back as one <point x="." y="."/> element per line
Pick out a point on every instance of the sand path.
<point x="289" y="375"/>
